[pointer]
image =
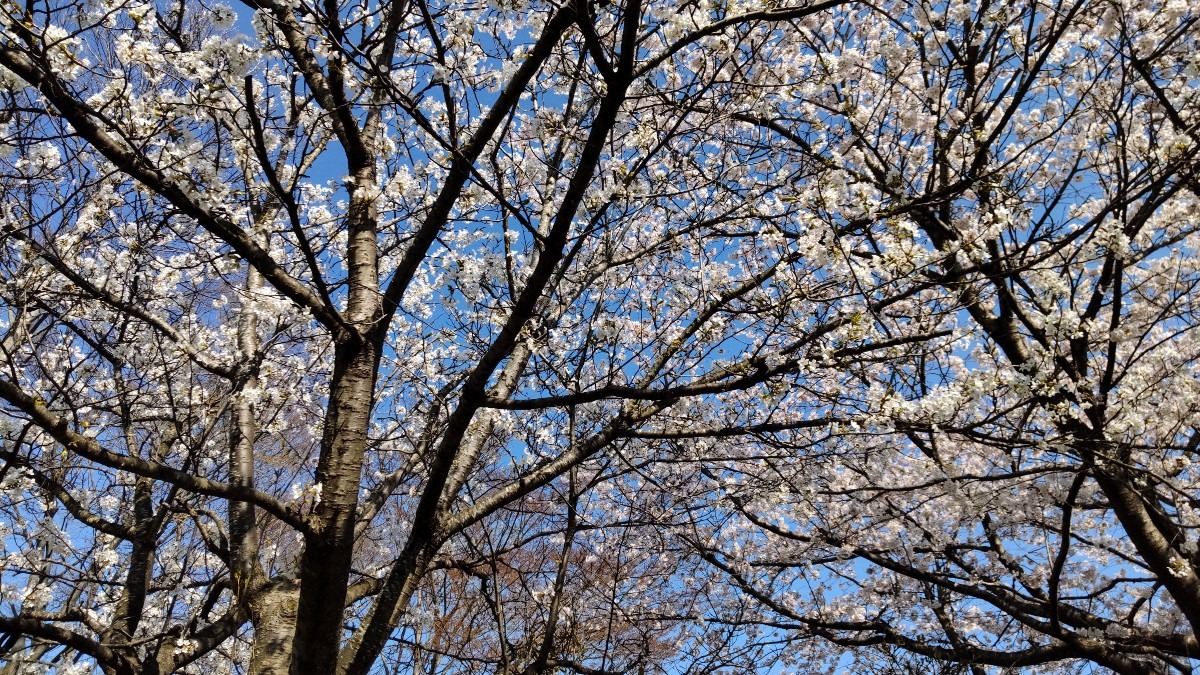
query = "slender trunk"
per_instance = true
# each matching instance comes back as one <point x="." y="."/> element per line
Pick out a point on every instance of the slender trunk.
<point x="272" y="607"/>
<point x="243" y="525"/>
<point x="128" y="612"/>
<point x="329" y="545"/>
<point x="325" y="565"/>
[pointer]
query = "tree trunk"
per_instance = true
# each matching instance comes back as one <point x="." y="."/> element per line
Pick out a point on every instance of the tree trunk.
<point x="273" y="613"/>
<point x="243" y="524"/>
<point x="329" y="545"/>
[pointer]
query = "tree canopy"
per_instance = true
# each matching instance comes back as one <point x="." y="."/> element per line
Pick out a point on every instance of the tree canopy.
<point x="518" y="337"/>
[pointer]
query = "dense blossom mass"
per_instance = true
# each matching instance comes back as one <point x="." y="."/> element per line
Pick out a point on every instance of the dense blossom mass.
<point x="515" y="337"/>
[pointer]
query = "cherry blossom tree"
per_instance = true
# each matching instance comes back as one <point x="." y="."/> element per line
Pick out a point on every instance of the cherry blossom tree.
<point x="1019" y="494"/>
<point x="352" y="337"/>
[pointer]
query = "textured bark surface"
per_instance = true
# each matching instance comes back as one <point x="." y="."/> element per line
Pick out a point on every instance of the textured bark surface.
<point x="243" y="525"/>
<point x="273" y="613"/>
<point x="1159" y="552"/>
<point x="329" y="546"/>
